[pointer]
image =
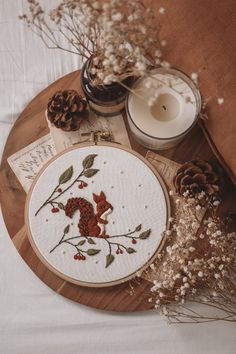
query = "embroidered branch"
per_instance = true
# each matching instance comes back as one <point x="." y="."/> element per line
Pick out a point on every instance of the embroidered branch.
<point x="66" y="176"/>
<point x="118" y="248"/>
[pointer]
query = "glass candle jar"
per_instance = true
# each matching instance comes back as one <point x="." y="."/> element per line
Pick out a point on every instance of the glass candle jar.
<point x="162" y="108"/>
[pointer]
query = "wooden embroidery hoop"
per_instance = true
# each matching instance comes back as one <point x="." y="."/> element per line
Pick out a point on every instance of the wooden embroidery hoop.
<point x="70" y="279"/>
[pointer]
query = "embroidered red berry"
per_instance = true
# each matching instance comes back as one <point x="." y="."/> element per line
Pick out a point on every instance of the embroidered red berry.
<point x="134" y="241"/>
<point x="79" y="258"/>
<point x="121" y="252"/>
<point x="81" y="186"/>
<point x="59" y="190"/>
<point x="83" y="258"/>
<point x="54" y="210"/>
<point x="117" y="252"/>
<point x="75" y="256"/>
<point x="85" y="184"/>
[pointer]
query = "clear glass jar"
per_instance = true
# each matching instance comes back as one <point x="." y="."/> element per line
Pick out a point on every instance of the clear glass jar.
<point x="159" y="133"/>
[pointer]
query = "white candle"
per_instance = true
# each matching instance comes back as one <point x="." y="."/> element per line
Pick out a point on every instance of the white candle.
<point x="174" y="109"/>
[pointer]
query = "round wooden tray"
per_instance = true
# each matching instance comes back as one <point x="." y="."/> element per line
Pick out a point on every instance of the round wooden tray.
<point x="32" y="125"/>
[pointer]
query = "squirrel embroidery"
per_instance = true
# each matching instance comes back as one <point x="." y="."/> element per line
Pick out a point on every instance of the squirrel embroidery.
<point x="90" y="223"/>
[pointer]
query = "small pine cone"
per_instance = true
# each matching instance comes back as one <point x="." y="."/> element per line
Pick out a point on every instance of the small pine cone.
<point x="66" y="110"/>
<point x="197" y="176"/>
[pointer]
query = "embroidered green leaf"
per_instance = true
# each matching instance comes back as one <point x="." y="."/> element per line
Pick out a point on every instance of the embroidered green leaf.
<point x="145" y="234"/>
<point x="81" y="243"/>
<point x="88" y="161"/>
<point x="90" y="172"/>
<point x="66" y="229"/>
<point x="66" y="175"/>
<point x="92" y="252"/>
<point x="90" y="240"/>
<point x="109" y="259"/>
<point x="138" y="228"/>
<point x="130" y="250"/>
<point x="61" y="206"/>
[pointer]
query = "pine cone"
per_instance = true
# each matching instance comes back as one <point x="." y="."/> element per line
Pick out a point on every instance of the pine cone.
<point x="66" y="110"/>
<point x="196" y="176"/>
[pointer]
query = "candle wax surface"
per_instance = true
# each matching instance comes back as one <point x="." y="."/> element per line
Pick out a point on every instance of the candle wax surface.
<point x="166" y="107"/>
<point x="173" y="111"/>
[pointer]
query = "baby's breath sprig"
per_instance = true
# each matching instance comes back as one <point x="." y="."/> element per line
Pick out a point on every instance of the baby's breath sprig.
<point x="121" y="37"/>
<point x="197" y="265"/>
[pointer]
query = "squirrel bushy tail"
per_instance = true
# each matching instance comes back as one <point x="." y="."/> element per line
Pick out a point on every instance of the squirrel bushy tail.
<point x="86" y="212"/>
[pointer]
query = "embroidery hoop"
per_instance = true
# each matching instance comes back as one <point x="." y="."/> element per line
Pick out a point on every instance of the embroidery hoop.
<point x="66" y="277"/>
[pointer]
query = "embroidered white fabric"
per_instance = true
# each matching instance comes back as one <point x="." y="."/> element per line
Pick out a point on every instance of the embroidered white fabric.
<point x="136" y="201"/>
<point x="34" y="319"/>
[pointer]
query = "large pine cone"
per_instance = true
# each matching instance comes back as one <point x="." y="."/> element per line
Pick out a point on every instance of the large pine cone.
<point x="197" y="176"/>
<point x="66" y="110"/>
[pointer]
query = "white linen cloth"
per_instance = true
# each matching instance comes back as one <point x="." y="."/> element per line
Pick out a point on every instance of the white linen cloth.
<point x="33" y="318"/>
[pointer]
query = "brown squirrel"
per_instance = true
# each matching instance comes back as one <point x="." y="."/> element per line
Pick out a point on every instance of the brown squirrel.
<point x="90" y="223"/>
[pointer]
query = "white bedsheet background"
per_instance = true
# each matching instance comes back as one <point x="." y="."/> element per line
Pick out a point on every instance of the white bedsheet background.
<point x="34" y="319"/>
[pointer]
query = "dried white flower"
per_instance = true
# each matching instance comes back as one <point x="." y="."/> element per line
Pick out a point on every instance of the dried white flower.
<point x="162" y="10"/>
<point x="220" y="101"/>
<point x="158" y="53"/>
<point x="192" y="249"/>
<point x="165" y="64"/>
<point x="163" y="42"/>
<point x="194" y="77"/>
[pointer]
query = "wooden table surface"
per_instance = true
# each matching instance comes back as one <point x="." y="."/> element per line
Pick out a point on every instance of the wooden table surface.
<point x="32" y="125"/>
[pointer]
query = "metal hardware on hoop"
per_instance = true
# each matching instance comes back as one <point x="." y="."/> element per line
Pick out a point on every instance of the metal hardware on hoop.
<point x="97" y="136"/>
